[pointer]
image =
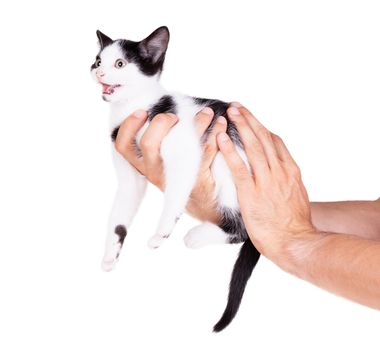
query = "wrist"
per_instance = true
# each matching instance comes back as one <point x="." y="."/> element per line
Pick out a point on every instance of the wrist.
<point x="296" y="249"/>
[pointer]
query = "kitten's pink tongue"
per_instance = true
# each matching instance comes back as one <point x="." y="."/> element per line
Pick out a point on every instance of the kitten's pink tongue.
<point x="107" y="88"/>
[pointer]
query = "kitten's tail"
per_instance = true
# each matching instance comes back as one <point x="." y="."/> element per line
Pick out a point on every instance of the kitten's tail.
<point x="243" y="268"/>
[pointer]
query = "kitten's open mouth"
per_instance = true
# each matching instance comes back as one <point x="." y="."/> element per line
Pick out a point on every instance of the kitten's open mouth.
<point x="109" y="89"/>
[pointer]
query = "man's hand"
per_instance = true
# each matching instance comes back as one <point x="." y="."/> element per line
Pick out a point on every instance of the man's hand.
<point x="201" y="203"/>
<point x="273" y="201"/>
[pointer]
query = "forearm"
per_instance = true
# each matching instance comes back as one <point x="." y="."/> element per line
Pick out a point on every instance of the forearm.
<point x="361" y="218"/>
<point x="346" y="265"/>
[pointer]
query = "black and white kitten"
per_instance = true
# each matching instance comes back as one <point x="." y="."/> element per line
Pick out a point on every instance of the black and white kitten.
<point x="129" y="73"/>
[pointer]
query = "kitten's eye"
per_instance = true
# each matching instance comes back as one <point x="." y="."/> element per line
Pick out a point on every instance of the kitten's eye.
<point x="98" y="62"/>
<point x="120" y="63"/>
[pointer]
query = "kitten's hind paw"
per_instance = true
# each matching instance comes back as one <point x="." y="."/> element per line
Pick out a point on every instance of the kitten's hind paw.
<point x="203" y="235"/>
<point x="156" y="240"/>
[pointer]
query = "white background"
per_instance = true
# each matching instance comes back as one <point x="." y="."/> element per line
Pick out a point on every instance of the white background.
<point x="309" y="70"/>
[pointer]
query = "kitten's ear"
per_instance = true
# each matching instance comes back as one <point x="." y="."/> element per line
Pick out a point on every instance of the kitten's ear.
<point x="104" y="40"/>
<point x="155" y="45"/>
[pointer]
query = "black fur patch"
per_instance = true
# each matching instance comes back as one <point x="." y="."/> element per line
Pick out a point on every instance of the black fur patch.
<point x="93" y="66"/>
<point x="114" y="133"/>
<point x="104" y="40"/>
<point x="121" y="231"/>
<point x="131" y="52"/>
<point x="165" y="104"/>
<point x="220" y="109"/>
<point x="232" y="224"/>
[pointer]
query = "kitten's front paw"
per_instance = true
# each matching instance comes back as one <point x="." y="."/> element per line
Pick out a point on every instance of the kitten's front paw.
<point x="108" y="265"/>
<point x="156" y="240"/>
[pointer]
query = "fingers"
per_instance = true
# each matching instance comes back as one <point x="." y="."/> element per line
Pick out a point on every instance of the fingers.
<point x="203" y="120"/>
<point x="210" y="147"/>
<point x="241" y="174"/>
<point x="264" y="135"/>
<point x="282" y="150"/>
<point x="151" y="141"/>
<point x="278" y="156"/>
<point x="125" y="141"/>
<point x="253" y="146"/>
<point x="289" y="163"/>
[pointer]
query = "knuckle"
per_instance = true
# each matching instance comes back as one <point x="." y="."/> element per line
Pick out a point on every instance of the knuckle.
<point x="263" y="132"/>
<point x="260" y="156"/>
<point x="246" y="111"/>
<point x="208" y="148"/>
<point x="119" y="146"/>
<point x="296" y="171"/>
<point x="125" y="149"/>
<point x="277" y="138"/>
<point x="146" y="144"/>
<point x="128" y="124"/>
<point x="251" y="144"/>
<point x="241" y="172"/>
<point x="259" y="152"/>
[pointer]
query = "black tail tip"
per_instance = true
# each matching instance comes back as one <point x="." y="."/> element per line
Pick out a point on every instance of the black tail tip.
<point x="220" y="326"/>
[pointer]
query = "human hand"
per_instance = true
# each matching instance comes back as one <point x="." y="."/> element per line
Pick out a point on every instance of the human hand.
<point x="273" y="201"/>
<point x="201" y="202"/>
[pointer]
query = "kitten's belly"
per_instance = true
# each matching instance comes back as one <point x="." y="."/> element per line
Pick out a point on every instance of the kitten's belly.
<point x="225" y="188"/>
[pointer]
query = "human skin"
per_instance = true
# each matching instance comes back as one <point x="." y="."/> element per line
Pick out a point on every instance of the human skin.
<point x="332" y="245"/>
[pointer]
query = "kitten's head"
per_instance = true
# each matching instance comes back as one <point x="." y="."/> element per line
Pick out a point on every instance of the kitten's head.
<point x="124" y="68"/>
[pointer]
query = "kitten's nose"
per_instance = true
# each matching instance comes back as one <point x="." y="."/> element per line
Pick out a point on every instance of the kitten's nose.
<point x="99" y="73"/>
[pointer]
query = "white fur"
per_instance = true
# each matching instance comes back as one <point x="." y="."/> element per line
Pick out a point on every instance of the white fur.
<point x="181" y="153"/>
<point x="205" y="234"/>
<point x="131" y="190"/>
<point x="225" y="189"/>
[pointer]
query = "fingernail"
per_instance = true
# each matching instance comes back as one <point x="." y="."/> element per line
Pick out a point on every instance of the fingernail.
<point x="222" y="120"/>
<point x="223" y="137"/>
<point x="235" y="104"/>
<point x="140" y="113"/>
<point x="208" y="111"/>
<point x="233" y="111"/>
